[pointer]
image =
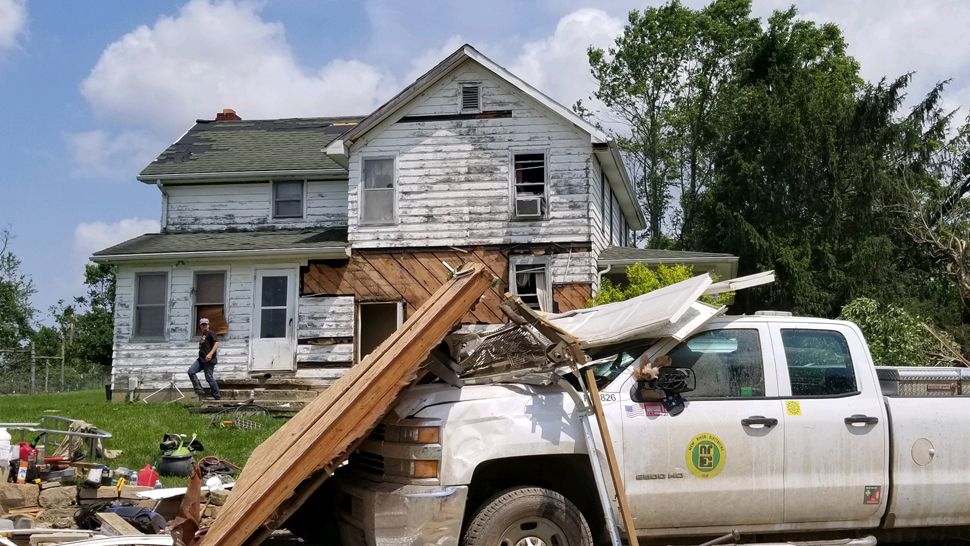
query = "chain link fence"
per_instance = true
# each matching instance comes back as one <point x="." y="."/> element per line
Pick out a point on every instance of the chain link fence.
<point x="22" y="372"/>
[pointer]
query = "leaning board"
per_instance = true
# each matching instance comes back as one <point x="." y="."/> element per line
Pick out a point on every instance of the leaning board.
<point x="323" y="434"/>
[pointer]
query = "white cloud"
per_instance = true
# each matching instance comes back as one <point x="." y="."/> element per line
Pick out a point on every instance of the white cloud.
<point x="90" y="237"/>
<point x="558" y="65"/>
<point x="100" y="153"/>
<point x="222" y="54"/>
<point x="13" y="23"/>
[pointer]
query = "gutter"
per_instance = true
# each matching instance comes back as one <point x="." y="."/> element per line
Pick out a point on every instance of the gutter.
<point x="252" y="176"/>
<point x="685" y="260"/>
<point x="316" y="253"/>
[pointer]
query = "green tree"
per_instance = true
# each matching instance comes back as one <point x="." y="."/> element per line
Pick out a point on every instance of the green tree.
<point x="897" y="338"/>
<point x="668" y="78"/>
<point x="641" y="279"/>
<point x="16" y="288"/>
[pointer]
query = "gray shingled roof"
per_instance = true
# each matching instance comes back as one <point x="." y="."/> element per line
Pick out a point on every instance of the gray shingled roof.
<point x="228" y="242"/>
<point x="251" y="145"/>
<point x="625" y="254"/>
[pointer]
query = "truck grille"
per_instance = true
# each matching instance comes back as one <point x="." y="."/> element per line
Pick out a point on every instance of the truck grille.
<point x="371" y="463"/>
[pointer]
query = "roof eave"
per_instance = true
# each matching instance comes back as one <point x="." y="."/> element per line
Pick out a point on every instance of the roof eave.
<point x="611" y="161"/>
<point x="317" y="253"/>
<point x="254" y="176"/>
<point x="669" y="260"/>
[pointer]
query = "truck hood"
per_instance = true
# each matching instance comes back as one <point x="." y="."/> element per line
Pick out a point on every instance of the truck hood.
<point x="418" y="397"/>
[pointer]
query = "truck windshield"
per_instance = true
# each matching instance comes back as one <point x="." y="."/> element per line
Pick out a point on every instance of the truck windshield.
<point x="609" y="368"/>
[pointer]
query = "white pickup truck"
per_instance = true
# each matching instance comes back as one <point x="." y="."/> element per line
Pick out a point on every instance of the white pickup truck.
<point x="788" y="432"/>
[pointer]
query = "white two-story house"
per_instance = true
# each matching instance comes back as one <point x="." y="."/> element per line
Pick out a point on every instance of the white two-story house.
<point x="307" y="241"/>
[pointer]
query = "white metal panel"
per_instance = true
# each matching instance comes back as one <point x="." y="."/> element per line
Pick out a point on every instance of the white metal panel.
<point x="638" y="317"/>
<point x="831" y="465"/>
<point x="931" y="485"/>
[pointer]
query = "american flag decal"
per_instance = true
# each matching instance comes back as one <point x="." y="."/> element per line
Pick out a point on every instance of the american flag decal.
<point x="634" y="410"/>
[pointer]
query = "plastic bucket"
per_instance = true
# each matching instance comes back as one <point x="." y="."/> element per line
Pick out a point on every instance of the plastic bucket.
<point x="175" y="465"/>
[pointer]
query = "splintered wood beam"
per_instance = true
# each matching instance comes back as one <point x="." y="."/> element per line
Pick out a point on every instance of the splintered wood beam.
<point x="302" y="453"/>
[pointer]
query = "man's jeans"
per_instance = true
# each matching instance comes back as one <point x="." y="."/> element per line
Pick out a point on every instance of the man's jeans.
<point x="208" y="369"/>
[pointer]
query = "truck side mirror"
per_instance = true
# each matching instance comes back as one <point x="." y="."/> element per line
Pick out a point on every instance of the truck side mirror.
<point x="676" y="380"/>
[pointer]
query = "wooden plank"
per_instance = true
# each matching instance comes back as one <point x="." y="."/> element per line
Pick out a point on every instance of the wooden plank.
<point x="323" y="433"/>
<point x="113" y="525"/>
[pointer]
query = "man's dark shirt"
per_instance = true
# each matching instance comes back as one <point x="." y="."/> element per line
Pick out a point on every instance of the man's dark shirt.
<point x="205" y="345"/>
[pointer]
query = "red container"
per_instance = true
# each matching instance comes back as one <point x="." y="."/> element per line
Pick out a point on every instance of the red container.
<point x="147" y="476"/>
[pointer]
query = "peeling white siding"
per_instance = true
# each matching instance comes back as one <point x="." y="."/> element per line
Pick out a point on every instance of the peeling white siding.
<point x="215" y="207"/>
<point x="598" y="229"/>
<point x="575" y="267"/>
<point x="154" y="362"/>
<point x="453" y="177"/>
<point x="325" y="316"/>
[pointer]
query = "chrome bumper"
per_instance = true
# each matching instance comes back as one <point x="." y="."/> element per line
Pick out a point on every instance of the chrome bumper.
<point x="382" y="514"/>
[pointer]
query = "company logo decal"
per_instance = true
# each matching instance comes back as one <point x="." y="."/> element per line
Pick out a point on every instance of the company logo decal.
<point x="706" y="455"/>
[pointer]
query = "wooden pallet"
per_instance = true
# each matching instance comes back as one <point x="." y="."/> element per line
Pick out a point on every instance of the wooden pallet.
<point x="285" y="469"/>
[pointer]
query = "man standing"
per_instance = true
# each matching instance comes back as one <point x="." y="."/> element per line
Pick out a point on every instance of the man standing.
<point x="208" y="345"/>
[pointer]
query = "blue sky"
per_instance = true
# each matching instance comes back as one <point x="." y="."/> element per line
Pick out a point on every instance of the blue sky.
<point x="92" y="91"/>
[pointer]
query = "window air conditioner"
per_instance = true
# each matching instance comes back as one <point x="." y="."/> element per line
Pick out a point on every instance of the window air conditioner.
<point x="528" y="207"/>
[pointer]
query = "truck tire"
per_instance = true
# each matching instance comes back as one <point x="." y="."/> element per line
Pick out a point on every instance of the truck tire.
<point x="528" y="516"/>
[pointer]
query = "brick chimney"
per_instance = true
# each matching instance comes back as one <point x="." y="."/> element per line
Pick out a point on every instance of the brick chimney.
<point x="227" y="114"/>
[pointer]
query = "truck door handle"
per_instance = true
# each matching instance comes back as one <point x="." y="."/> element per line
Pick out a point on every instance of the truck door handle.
<point x="858" y="419"/>
<point x="759" y="421"/>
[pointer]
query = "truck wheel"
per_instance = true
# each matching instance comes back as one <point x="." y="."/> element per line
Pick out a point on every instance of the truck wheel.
<point x="528" y="516"/>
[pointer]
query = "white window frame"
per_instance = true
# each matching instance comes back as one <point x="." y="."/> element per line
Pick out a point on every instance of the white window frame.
<point x="272" y="199"/>
<point x="545" y="182"/>
<point x="195" y="297"/>
<point x="134" y="304"/>
<point x="605" y="197"/>
<point x="394" y="189"/>
<point x="461" y="97"/>
<point x="516" y="262"/>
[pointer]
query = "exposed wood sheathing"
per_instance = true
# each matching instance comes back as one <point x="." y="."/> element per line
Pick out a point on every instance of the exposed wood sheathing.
<point x="321" y="436"/>
<point x="411" y="276"/>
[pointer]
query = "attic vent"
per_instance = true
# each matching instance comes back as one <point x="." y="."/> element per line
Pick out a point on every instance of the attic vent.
<point x="471" y="98"/>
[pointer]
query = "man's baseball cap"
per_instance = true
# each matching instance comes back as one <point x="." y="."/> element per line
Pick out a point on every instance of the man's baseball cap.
<point x="203" y="321"/>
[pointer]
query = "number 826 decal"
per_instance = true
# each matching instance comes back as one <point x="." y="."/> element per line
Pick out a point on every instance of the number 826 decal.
<point x="608" y="397"/>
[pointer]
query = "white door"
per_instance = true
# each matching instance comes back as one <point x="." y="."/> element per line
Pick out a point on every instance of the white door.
<point x="273" y="346"/>
<point x="719" y="462"/>
<point x="836" y="449"/>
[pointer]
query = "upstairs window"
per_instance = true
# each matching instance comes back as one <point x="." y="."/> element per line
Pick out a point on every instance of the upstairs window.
<point x="529" y="185"/>
<point x="210" y="301"/>
<point x="150" y="296"/>
<point x="377" y="192"/>
<point x="471" y="97"/>
<point x="529" y="280"/>
<point x="288" y="199"/>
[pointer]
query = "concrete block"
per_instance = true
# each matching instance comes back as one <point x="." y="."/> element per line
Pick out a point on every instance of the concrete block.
<point x="94" y="493"/>
<point x="58" y="497"/>
<point x="19" y="495"/>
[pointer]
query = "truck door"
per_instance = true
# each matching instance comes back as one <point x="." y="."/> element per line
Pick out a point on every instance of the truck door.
<point x="836" y="445"/>
<point x="718" y="463"/>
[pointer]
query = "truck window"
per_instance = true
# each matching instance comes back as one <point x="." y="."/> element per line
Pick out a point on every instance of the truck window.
<point x="726" y="363"/>
<point x="818" y="362"/>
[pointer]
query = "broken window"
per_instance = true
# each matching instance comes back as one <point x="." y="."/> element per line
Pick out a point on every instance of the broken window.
<point x="529" y="186"/>
<point x="377" y="321"/>
<point x="529" y="280"/>
<point x="726" y="363"/>
<point x="819" y="363"/>
<point x="471" y="97"/>
<point x="210" y="301"/>
<point x="150" y="295"/>
<point x="377" y="192"/>
<point x="287" y="199"/>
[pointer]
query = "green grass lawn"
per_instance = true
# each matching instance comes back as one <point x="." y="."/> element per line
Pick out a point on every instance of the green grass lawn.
<point x="137" y="428"/>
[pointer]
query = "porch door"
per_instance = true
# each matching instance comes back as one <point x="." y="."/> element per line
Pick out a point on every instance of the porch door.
<point x="273" y="346"/>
